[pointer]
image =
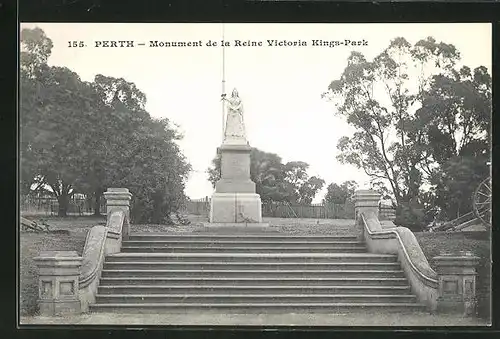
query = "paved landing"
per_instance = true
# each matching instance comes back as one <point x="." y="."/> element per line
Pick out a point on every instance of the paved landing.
<point x="221" y="319"/>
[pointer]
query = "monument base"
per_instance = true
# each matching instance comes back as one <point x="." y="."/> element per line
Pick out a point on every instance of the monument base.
<point x="237" y="226"/>
<point x="236" y="208"/>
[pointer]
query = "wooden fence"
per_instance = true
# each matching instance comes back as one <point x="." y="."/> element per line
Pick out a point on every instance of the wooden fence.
<point x="314" y="211"/>
<point x="82" y="206"/>
<point x="282" y="210"/>
<point x="198" y="207"/>
<point x="50" y="206"/>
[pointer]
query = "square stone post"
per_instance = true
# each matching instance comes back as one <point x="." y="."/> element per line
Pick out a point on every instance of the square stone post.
<point x="58" y="282"/>
<point x="457" y="282"/>
<point x="364" y="201"/>
<point x="119" y="198"/>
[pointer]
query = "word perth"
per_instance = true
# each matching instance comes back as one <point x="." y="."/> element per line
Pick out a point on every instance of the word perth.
<point x="268" y="43"/>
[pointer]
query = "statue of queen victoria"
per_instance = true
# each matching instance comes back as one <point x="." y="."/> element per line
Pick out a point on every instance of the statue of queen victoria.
<point x="235" y="127"/>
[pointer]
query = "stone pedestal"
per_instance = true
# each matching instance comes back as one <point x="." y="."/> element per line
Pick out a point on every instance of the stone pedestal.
<point x="236" y="208"/>
<point x="235" y="202"/>
<point x="364" y="201"/>
<point x="457" y="282"/>
<point x="118" y="199"/>
<point x="58" y="282"/>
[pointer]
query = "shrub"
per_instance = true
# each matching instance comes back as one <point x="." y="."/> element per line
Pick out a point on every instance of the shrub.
<point x="411" y="217"/>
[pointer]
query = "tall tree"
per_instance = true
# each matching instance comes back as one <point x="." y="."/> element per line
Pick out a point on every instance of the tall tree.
<point x="301" y="188"/>
<point x="85" y="137"/>
<point x="266" y="170"/>
<point x="339" y="194"/>
<point x="35" y="48"/>
<point x="121" y="115"/>
<point x="274" y="180"/>
<point x="385" y="100"/>
<point x="52" y="129"/>
<point x="53" y="102"/>
<point x="156" y="173"/>
<point x="456" y="118"/>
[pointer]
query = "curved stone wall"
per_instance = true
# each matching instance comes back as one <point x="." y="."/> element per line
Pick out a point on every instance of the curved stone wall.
<point x="92" y="262"/>
<point x="402" y="241"/>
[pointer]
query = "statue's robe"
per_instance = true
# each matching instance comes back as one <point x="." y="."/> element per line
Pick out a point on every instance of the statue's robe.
<point x="234" y="132"/>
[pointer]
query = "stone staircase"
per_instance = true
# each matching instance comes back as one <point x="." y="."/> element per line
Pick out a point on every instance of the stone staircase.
<point x="250" y="273"/>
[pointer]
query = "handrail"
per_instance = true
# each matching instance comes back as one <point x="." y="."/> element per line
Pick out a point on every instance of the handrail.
<point x="94" y="242"/>
<point x="393" y="232"/>
<point x="115" y="222"/>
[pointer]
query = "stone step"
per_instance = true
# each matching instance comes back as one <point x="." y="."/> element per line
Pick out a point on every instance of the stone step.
<point x="113" y="287"/>
<point x="252" y="257"/>
<point x="226" y="249"/>
<point x="242" y="265"/>
<point x="243" y="243"/>
<point x="311" y="273"/>
<point x="252" y="298"/>
<point x="250" y="281"/>
<point x="258" y="308"/>
<point x="272" y="237"/>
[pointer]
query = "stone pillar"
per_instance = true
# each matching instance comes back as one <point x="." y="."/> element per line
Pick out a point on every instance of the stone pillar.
<point x="119" y="198"/>
<point x="457" y="282"/>
<point x="58" y="282"/>
<point x="235" y="202"/>
<point x="364" y="201"/>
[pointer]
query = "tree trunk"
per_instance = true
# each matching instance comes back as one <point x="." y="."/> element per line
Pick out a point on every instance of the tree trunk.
<point x="63" y="201"/>
<point x="157" y="214"/>
<point x="97" y="203"/>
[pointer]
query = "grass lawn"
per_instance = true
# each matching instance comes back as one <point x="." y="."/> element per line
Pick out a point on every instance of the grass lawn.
<point x="32" y="243"/>
<point x="432" y="243"/>
<point x="479" y="243"/>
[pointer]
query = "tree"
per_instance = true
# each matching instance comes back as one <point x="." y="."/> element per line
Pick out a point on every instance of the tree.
<point x="309" y="189"/>
<point x="377" y="97"/>
<point x="54" y="102"/>
<point x="274" y="180"/>
<point x="53" y="134"/>
<point x="36" y="48"/>
<point x="85" y="137"/>
<point x="157" y="173"/>
<point x="396" y="103"/>
<point x="34" y="51"/>
<point x="120" y="117"/>
<point x="455" y="184"/>
<point x="456" y="118"/>
<point x="339" y="194"/>
<point x="266" y="170"/>
<point x="300" y="187"/>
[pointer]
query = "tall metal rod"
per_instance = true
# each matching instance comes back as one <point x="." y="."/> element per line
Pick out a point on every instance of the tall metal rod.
<point x="223" y="80"/>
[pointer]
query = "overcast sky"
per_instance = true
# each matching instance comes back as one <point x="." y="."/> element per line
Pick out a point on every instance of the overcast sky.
<point x="280" y="86"/>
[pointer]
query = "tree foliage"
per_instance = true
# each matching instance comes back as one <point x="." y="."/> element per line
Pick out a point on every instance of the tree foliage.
<point x="275" y="181"/>
<point x="84" y="137"/>
<point x="413" y="110"/>
<point x="339" y="194"/>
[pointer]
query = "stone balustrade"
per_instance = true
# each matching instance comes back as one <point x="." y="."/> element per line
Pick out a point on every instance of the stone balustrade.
<point x="457" y="282"/>
<point x="93" y="261"/>
<point x="58" y="282"/>
<point x="68" y="283"/>
<point x="450" y="289"/>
